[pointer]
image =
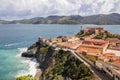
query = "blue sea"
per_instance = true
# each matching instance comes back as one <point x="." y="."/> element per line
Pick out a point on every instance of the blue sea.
<point x="15" y="38"/>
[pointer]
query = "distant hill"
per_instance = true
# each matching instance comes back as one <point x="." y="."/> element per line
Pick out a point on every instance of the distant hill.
<point x="100" y="19"/>
<point x="113" y="18"/>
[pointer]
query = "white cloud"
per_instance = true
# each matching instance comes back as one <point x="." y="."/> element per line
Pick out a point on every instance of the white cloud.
<point x="31" y="8"/>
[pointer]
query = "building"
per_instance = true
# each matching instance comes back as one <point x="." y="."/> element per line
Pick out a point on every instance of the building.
<point x="108" y="57"/>
<point x="72" y="38"/>
<point x="112" y="69"/>
<point x="71" y="45"/>
<point x="93" y="46"/>
<point x="56" y="40"/>
<point x="64" y="39"/>
<point x="94" y="30"/>
<point x="114" y="43"/>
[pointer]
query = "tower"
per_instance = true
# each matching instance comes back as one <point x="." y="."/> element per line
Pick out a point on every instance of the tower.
<point x="81" y="29"/>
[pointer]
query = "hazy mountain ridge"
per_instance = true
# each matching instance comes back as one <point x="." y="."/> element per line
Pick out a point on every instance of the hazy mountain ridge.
<point x="113" y="18"/>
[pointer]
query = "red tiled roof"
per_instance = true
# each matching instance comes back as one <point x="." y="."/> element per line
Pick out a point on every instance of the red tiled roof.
<point x="89" y="50"/>
<point x="113" y="39"/>
<point x="96" y="40"/>
<point x="109" y="54"/>
<point x="116" y="62"/>
<point x="94" y="43"/>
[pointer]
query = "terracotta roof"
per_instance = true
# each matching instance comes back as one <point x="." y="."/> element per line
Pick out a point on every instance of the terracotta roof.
<point x="116" y="62"/>
<point x="109" y="54"/>
<point x="90" y="50"/>
<point x="113" y="39"/>
<point x="96" y="40"/>
<point x="94" y="46"/>
<point x="94" y="43"/>
<point x="94" y="28"/>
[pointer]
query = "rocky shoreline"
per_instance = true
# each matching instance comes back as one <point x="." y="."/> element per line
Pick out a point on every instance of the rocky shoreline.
<point x="32" y="52"/>
<point x="52" y="58"/>
<point x="58" y="58"/>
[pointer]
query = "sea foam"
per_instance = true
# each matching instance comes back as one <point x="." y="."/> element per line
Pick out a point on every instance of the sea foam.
<point x="30" y="61"/>
<point x="32" y="66"/>
<point x="11" y="44"/>
<point x="21" y="50"/>
<point x="16" y="43"/>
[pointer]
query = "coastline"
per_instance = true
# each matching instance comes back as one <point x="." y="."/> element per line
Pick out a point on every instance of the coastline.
<point x="38" y="73"/>
<point x="43" y="46"/>
<point x="7" y="50"/>
<point x="32" y="64"/>
<point x="34" y="70"/>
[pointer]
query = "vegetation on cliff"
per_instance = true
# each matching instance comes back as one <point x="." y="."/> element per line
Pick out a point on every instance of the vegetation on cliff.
<point x="44" y="50"/>
<point x="28" y="77"/>
<point x="57" y="64"/>
<point x="66" y="66"/>
<point x="105" y="36"/>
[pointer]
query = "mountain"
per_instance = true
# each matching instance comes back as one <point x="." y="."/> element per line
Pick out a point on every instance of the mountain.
<point x="3" y="21"/>
<point x="100" y="19"/>
<point x="113" y="18"/>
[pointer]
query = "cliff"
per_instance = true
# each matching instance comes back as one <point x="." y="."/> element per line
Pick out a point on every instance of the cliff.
<point x="57" y="64"/>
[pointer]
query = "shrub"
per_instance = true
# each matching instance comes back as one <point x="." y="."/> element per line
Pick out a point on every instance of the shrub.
<point x="28" y="77"/>
<point x="44" y="50"/>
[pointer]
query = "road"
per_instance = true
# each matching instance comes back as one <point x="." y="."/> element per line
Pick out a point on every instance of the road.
<point x="93" y="69"/>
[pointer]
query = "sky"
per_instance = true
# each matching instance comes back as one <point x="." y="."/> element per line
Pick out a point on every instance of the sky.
<point x="20" y="9"/>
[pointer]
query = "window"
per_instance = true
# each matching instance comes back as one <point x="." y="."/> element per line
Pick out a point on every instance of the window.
<point x="118" y="77"/>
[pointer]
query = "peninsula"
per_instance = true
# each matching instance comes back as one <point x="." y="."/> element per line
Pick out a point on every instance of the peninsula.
<point x="91" y="54"/>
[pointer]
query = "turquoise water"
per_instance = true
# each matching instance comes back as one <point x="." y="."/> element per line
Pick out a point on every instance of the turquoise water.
<point x="15" y="37"/>
<point x="10" y="64"/>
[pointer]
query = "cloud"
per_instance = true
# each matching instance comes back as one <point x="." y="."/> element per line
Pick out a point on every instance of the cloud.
<point x="18" y="9"/>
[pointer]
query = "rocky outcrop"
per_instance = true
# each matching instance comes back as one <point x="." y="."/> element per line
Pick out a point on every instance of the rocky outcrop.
<point x="57" y="64"/>
<point x="46" y="60"/>
<point x="42" y="52"/>
<point x="33" y="49"/>
<point x="26" y="54"/>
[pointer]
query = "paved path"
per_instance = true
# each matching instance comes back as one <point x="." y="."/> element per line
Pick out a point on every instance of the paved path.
<point x="98" y="73"/>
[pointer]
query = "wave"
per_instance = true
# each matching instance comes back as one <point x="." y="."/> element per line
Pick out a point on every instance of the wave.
<point x="32" y="66"/>
<point x="30" y="61"/>
<point x="21" y="50"/>
<point x="11" y="44"/>
<point x="31" y="70"/>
